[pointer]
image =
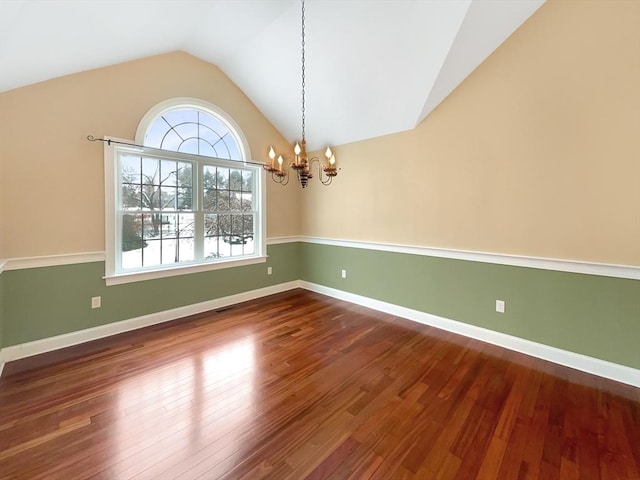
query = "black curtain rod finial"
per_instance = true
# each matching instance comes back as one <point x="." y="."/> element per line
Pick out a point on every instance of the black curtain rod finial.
<point x="91" y="138"/>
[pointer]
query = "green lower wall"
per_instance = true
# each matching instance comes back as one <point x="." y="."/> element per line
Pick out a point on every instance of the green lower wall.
<point x="588" y="314"/>
<point x="44" y="302"/>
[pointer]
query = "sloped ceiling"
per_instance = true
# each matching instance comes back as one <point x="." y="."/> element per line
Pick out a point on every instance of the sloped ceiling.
<point x="374" y="67"/>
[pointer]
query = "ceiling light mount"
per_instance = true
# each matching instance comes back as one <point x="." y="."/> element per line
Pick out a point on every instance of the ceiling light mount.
<point x="301" y="163"/>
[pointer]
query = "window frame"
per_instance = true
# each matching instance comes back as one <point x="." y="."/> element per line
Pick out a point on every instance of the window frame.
<point x="114" y="275"/>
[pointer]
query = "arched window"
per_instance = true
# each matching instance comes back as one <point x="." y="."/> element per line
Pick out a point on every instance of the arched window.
<point x="189" y="125"/>
<point x="184" y="200"/>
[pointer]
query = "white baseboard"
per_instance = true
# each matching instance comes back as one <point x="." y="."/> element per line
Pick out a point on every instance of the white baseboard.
<point x="44" y="345"/>
<point x="595" y="366"/>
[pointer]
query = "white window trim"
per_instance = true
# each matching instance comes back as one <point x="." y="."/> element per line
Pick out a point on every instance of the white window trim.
<point x="112" y="277"/>
<point x="173" y="270"/>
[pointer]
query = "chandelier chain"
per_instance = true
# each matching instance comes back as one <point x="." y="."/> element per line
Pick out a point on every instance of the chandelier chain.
<point x="301" y="163"/>
<point x="303" y="74"/>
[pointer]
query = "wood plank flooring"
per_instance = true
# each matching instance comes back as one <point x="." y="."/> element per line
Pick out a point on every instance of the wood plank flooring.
<point x="301" y="386"/>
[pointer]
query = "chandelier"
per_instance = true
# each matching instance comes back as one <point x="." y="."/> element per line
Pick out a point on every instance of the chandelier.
<point x="301" y="163"/>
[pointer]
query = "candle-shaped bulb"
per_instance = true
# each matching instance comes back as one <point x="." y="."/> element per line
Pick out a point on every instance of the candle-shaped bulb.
<point x="272" y="153"/>
<point x="297" y="149"/>
<point x="280" y="160"/>
<point x="332" y="160"/>
<point x="328" y="153"/>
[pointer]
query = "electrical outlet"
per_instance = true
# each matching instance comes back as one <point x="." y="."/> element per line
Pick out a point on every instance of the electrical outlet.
<point x="500" y="306"/>
<point x="96" y="302"/>
<point x="269" y="270"/>
<point x="344" y="274"/>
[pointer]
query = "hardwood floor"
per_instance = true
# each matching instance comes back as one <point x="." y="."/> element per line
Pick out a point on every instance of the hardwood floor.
<point x="301" y="386"/>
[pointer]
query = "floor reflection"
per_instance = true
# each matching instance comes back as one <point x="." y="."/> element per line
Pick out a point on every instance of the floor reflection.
<point x="185" y="410"/>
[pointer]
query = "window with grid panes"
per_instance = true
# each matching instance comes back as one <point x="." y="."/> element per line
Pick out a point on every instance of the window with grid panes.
<point x="185" y="200"/>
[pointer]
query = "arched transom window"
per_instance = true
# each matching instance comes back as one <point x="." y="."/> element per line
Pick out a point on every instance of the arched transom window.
<point x="195" y="131"/>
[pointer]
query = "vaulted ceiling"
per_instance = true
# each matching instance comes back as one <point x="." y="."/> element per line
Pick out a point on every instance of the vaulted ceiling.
<point x="374" y="67"/>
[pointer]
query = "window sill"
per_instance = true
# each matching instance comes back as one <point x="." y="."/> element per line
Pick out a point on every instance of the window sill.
<point x="165" y="272"/>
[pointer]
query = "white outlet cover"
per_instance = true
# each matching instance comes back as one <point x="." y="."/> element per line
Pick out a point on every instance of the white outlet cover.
<point x="344" y="274"/>
<point x="96" y="302"/>
<point x="500" y="306"/>
<point x="269" y="270"/>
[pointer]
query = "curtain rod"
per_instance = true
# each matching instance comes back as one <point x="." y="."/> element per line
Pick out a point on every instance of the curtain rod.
<point x="109" y="141"/>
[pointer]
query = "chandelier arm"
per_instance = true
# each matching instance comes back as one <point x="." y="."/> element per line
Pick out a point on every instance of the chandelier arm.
<point x="281" y="179"/>
<point x="327" y="182"/>
<point x="322" y="176"/>
<point x="317" y="161"/>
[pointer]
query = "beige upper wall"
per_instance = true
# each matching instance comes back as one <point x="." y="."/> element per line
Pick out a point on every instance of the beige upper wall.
<point x="52" y="184"/>
<point x="536" y="153"/>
